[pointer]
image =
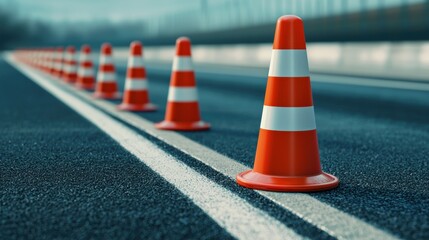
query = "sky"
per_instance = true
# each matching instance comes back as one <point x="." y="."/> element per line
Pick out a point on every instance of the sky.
<point x="90" y="10"/>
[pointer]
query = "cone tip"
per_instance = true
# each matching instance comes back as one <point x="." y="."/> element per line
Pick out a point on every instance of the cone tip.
<point x="86" y="48"/>
<point x="289" y="33"/>
<point x="106" y="48"/>
<point x="183" y="46"/>
<point x="136" y="48"/>
<point x="70" y="49"/>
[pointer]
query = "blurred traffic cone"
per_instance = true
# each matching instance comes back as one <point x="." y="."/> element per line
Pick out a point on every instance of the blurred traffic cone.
<point x="136" y="94"/>
<point x="182" y="112"/>
<point x="287" y="155"/>
<point x="69" y="65"/>
<point x="85" y="74"/>
<point x="106" y="86"/>
<point x="58" y="62"/>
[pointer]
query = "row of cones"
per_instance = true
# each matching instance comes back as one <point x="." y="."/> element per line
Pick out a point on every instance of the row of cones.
<point x="287" y="155"/>
<point x="182" y="111"/>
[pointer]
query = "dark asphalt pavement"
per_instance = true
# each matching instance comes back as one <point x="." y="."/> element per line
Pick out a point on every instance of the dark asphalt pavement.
<point x="376" y="140"/>
<point x="62" y="178"/>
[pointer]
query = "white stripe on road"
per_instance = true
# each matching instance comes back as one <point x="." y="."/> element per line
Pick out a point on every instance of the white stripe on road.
<point x="182" y="64"/>
<point x="288" y="118"/>
<point x="136" y="84"/>
<point x="182" y="94"/>
<point x="236" y="215"/>
<point x="288" y="63"/>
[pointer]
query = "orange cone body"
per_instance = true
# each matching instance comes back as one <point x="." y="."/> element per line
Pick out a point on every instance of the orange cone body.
<point x="69" y="65"/>
<point x="106" y="86"/>
<point x="182" y="111"/>
<point x="85" y="74"/>
<point x="287" y="155"/>
<point x="136" y="93"/>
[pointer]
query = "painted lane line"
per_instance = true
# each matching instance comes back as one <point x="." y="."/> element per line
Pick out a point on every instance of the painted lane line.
<point x="327" y="218"/>
<point x="227" y="209"/>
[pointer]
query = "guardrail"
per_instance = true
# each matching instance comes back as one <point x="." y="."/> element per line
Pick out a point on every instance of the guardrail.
<point x="405" y="61"/>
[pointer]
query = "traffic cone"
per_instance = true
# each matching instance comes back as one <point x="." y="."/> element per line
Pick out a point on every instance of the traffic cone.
<point x="106" y="86"/>
<point x="136" y="94"/>
<point x="58" y="62"/>
<point x="182" y="112"/>
<point x="287" y="155"/>
<point x="69" y="65"/>
<point x="85" y="74"/>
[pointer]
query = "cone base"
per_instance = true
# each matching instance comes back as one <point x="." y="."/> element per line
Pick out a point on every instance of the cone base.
<point x="148" y="107"/>
<point x="183" y="126"/>
<point x="115" y="95"/>
<point x="321" y="182"/>
<point x="90" y="86"/>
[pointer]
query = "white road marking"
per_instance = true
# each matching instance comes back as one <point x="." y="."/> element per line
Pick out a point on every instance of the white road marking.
<point x="231" y="212"/>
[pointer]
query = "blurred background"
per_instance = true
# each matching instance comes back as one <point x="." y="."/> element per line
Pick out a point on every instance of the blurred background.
<point x="32" y="22"/>
<point x="373" y="34"/>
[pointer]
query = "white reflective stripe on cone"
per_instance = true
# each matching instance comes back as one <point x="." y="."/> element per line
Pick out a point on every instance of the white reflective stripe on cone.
<point x="289" y="63"/>
<point x="106" y="77"/>
<point x="106" y="59"/>
<point x="70" y="68"/>
<point x="136" y="84"/>
<point x="84" y="57"/>
<point x="288" y="118"/>
<point x="86" y="72"/>
<point x="58" y="65"/>
<point x="135" y="61"/>
<point x="182" y="94"/>
<point x="182" y="64"/>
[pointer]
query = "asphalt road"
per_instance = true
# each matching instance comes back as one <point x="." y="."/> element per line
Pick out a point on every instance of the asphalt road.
<point x="376" y="140"/>
<point x="61" y="177"/>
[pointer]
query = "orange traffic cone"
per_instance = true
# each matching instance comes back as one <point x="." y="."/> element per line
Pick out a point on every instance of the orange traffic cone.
<point x="58" y="62"/>
<point x="69" y="65"/>
<point x="106" y="86"/>
<point x="85" y="74"/>
<point x="48" y="60"/>
<point x="182" y="112"/>
<point x="287" y="155"/>
<point x="136" y="94"/>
